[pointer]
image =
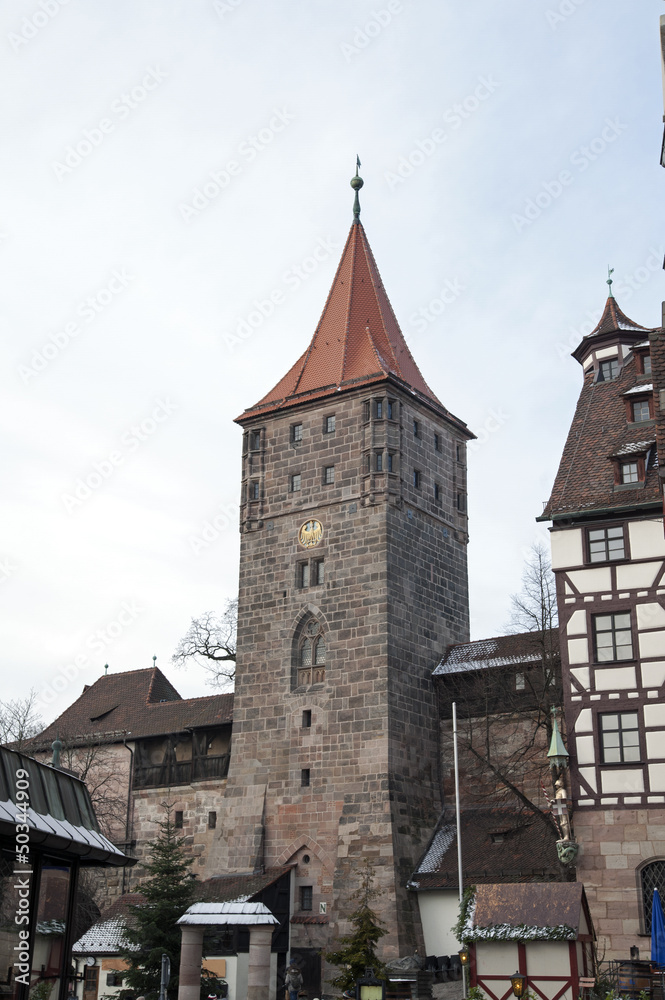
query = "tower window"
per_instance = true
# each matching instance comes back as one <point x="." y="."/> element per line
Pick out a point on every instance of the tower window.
<point x="306" y="895"/>
<point x="437" y="443"/>
<point x="629" y="473"/>
<point x="311" y="654"/>
<point x="378" y="409"/>
<point x="254" y="490"/>
<point x="391" y="409"/>
<point x="304" y="778"/>
<point x="459" y="452"/>
<point x="329" y="475"/>
<point x="613" y="637"/>
<point x="307" y="718"/>
<point x="416" y="428"/>
<point x="212" y="820"/>
<point x="366" y="409"/>
<point x="608" y="370"/>
<point x="178" y="822"/>
<point x="391" y="461"/>
<point x="255" y="440"/>
<point x="606" y="544"/>
<point x="303" y="574"/>
<point x="461" y="502"/>
<point x="317" y="574"/>
<point x="379" y="461"/>
<point x="329" y="425"/>
<point x="641" y="411"/>
<point x="296" y="482"/>
<point x="437" y="491"/>
<point x="296" y="433"/>
<point x="416" y="479"/>
<point x="620" y="738"/>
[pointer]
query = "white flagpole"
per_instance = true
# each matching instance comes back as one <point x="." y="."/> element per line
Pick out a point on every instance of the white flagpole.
<point x="459" y="827"/>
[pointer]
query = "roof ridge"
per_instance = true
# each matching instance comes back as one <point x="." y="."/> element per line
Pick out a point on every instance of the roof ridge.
<point x="353" y="233"/>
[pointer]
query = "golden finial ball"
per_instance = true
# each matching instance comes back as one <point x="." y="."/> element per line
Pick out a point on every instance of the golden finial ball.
<point x="357" y="183"/>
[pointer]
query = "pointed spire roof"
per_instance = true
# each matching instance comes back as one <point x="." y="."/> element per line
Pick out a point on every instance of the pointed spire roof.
<point x="357" y="341"/>
<point x="613" y="324"/>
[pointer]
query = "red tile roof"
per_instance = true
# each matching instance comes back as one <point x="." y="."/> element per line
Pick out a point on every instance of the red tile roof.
<point x="502" y="651"/>
<point x="136" y="703"/>
<point x="357" y="341"/>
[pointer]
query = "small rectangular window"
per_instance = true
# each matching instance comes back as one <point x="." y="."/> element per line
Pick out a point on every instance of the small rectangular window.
<point x="629" y="472"/>
<point x="296" y="433"/>
<point x="329" y="475"/>
<point x="620" y="738"/>
<point x="378" y="461"/>
<point x="366" y="409"/>
<point x="641" y="411"/>
<point x="307" y="718"/>
<point x="459" y="452"/>
<point x="304" y="778"/>
<point x="416" y="429"/>
<point x="461" y="502"/>
<point x="416" y="479"/>
<point x="606" y="544"/>
<point x="519" y="681"/>
<point x="254" y="490"/>
<point x="306" y="897"/>
<point x="212" y="820"/>
<point x="378" y="409"/>
<point x="329" y="425"/>
<point x="437" y="491"/>
<point x="613" y="637"/>
<point x="608" y="370"/>
<point x="391" y="461"/>
<point x="255" y="440"/>
<point x="646" y="364"/>
<point x="317" y="572"/>
<point x="303" y="574"/>
<point x="437" y="443"/>
<point x="391" y="410"/>
<point x="296" y="482"/>
<point x="178" y="823"/>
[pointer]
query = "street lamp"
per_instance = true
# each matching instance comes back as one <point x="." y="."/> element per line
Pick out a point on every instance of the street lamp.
<point x="368" y="987"/>
<point x="518" y="983"/>
<point x="557" y="753"/>
<point x="464" y="956"/>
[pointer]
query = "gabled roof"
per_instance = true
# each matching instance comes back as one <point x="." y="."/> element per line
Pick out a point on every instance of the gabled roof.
<point x="558" y="905"/>
<point x="135" y="704"/>
<point x="357" y="341"/>
<point x="600" y="430"/>
<point x="502" y="651"/>
<point x="498" y="845"/>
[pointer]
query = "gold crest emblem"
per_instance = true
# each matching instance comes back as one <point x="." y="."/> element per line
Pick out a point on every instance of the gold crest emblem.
<point x="310" y="534"/>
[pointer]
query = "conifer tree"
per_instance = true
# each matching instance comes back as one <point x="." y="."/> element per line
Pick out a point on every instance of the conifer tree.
<point x="357" y="951"/>
<point x="152" y="928"/>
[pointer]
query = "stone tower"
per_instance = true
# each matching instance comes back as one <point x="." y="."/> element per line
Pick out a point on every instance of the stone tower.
<point x="353" y="579"/>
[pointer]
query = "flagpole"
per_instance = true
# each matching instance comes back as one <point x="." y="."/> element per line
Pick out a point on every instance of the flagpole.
<point x="459" y="827"/>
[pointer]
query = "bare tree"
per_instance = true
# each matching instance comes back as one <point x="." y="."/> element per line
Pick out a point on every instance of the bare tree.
<point x="534" y="609"/>
<point x="211" y="642"/>
<point x="96" y="763"/>
<point x="19" y="721"/>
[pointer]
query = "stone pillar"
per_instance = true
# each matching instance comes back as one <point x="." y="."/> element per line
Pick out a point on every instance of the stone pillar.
<point x="191" y="950"/>
<point x="258" y="975"/>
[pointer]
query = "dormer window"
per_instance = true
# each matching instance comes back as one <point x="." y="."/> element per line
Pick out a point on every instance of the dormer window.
<point x="646" y="364"/>
<point x="629" y="472"/>
<point x="640" y="411"/>
<point x="608" y="370"/>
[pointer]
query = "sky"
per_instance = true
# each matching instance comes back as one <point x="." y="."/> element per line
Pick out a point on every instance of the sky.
<point x="176" y="180"/>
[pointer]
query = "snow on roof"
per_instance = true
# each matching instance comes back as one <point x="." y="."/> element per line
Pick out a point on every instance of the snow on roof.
<point x="228" y="913"/>
<point x="443" y="838"/>
<point x="643" y="387"/>
<point x="634" y="448"/>
<point x="106" y="936"/>
<point x="501" y="651"/>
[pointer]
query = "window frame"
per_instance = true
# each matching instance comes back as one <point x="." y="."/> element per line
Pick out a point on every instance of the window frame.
<point x="620" y="730"/>
<point x="610" y="362"/>
<point x="254" y="490"/>
<point x="328" y="475"/>
<point x="640" y="402"/>
<point x="416" y="428"/>
<point x="378" y="409"/>
<point x="595" y="633"/>
<point x="391" y="406"/>
<point x="327" y="427"/>
<point x="437" y="492"/>
<point x="437" y="441"/>
<point x="378" y="461"/>
<point x="606" y="560"/>
<point x="305" y="777"/>
<point x="306" y="896"/>
<point x="306" y="719"/>
<point x="295" y="476"/>
<point x="255" y="436"/>
<point x="626" y="473"/>
<point x="296" y="433"/>
<point x="417" y="479"/>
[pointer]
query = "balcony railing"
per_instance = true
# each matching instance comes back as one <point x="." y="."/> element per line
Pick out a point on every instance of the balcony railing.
<point x="181" y="772"/>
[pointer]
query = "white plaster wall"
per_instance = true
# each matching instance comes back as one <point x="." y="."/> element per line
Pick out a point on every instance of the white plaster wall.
<point x="567" y="548"/>
<point x="578" y="650"/>
<point x="592" y="581"/>
<point x="607" y="352"/>
<point x="577" y="623"/>
<point x="622" y="781"/>
<point x="615" y="678"/>
<point x="653" y="674"/>
<point x="652" y="643"/>
<point x="656" y="744"/>
<point x="581" y="674"/>
<point x="439" y="909"/>
<point x="584" y="723"/>
<point x="547" y="958"/>
<point x="646" y="539"/>
<point x="636" y="575"/>
<point x="650" y="616"/>
<point x="589" y="775"/>
<point x="654" y="715"/>
<point x="236" y="975"/>
<point x="496" y="958"/>
<point x="585" y="754"/>
<point x="657" y="777"/>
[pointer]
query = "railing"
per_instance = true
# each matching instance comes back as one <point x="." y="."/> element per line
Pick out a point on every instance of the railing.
<point x="629" y="978"/>
<point x="181" y="772"/>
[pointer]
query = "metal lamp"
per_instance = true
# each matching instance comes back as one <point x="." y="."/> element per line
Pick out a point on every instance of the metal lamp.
<point x="368" y="987"/>
<point x="557" y="753"/>
<point x="464" y="956"/>
<point x="518" y="983"/>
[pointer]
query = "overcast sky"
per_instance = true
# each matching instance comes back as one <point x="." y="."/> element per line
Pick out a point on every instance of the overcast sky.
<point x="168" y="164"/>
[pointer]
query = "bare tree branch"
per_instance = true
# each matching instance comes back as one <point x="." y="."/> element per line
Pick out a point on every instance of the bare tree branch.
<point x="19" y="720"/>
<point x="211" y="642"/>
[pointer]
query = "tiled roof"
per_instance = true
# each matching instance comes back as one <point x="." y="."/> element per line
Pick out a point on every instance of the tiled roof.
<point x="106" y="937"/>
<point x="238" y="886"/>
<point x="357" y="341"/>
<point x="498" y="845"/>
<point x="136" y="703"/>
<point x="532" y="905"/>
<point x="502" y="651"/>
<point x="614" y="318"/>
<point x="600" y="429"/>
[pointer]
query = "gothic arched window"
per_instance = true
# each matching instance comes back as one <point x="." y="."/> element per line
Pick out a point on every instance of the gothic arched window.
<point x="310" y="654"/>
<point x="652" y="876"/>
